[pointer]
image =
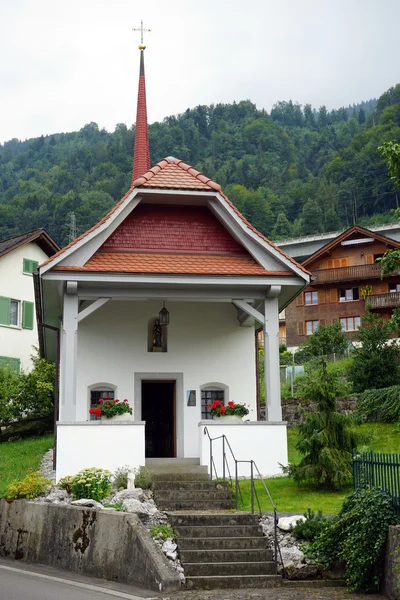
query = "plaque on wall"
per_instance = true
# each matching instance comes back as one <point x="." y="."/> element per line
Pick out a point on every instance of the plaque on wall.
<point x="191" y="397"/>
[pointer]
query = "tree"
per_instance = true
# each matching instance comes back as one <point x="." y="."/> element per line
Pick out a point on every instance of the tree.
<point x="282" y="228"/>
<point x="311" y="216"/>
<point x="361" y="116"/>
<point x="328" y="339"/>
<point x="326" y="439"/>
<point x="332" y="221"/>
<point x="376" y="361"/>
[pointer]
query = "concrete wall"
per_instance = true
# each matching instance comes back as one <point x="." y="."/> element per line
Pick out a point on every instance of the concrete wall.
<point x="107" y="545"/>
<point x="392" y="564"/>
<point x="105" y="444"/>
<point x="292" y="408"/>
<point x="205" y="344"/>
<point x="265" y="443"/>
<point x="16" y="342"/>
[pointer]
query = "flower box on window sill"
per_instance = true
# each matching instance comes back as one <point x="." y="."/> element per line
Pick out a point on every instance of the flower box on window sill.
<point x="228" y="419"/>
<point x="123" y="417"/>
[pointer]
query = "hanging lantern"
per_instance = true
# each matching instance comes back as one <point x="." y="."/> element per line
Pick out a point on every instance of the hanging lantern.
<point x="164" y="316"/>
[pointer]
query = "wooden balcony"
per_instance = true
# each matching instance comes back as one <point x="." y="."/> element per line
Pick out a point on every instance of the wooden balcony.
<point x="388" y="300"/>
<point x="353" y="273"/>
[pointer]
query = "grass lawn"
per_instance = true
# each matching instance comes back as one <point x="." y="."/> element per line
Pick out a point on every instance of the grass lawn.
<point x="289" y="497"/>
<point x="16" y="458"/>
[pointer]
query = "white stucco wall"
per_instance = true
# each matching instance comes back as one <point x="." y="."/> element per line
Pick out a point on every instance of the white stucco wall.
<point x="18" y="342"/>
<point x="99" y="444"/>
<point x="205" y="344"/>
<point x="265" y="443"/>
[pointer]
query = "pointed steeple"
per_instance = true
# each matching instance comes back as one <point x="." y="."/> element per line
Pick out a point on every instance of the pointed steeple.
<point x="141" y="152"/>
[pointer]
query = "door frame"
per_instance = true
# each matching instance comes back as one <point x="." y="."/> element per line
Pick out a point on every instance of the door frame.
<point x="173" y="382"/>
<point x="139" y="378"/>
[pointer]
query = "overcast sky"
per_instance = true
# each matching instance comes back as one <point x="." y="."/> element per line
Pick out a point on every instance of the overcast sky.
<point x="66" y="63"/>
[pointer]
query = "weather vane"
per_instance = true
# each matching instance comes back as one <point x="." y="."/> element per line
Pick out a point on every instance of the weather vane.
<point x="142" y="30"/>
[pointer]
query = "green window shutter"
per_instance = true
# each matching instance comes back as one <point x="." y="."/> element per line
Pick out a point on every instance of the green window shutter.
<point x="29" y="266"/>
<point x="13" y="363"/>
<point x="5" y="307"/>
<point x="27" y="315"/>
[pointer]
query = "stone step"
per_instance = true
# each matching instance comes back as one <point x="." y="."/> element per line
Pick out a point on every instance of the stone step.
<point x="180" y="475"/>
<point x="218" y="531"/>
<point x="236" y="568"/>
<point x="233" y="582"/>
<point x="220" y="556"/>
<point x="200" y="484"/>
<point x="206" y="519"/>
<point x="224" y="543"/>
<point x="171" y="462"/>
<point x="194" y="505"/>
<point x="213" y="494"/>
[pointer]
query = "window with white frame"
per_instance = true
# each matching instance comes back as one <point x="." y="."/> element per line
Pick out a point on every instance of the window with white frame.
<point x="14" y="313"/>
<point x="350" y="323"/>
<point x="348" y="294"/>
<point x="310" y="298"/>
<point x="311" y="327"/>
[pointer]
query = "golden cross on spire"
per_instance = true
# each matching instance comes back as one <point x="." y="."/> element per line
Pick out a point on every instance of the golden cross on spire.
<point x="142" y="30"/>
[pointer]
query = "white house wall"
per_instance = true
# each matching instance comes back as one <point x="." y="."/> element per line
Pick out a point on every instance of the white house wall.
<point x="18" y="342"/>
<point x="205" y="344"/>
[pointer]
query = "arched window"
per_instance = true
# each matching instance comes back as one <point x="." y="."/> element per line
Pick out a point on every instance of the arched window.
<point x="209" y="393"/>
<point x="100" y="391"/>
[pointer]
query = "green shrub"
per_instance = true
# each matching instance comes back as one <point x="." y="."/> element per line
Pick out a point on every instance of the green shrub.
<point x="357" y="538"/>
<point x="380" y="405"/>
<point x="66" y="483"/>
<point x="120" y="477"/>
<point x="31" y="486"/>
<point x="91" y="483"/>
<point x="162" y="531"/>
<point x="144" y="479"/>
<point x="117" y="507"/>
<point x="310" y="528"/>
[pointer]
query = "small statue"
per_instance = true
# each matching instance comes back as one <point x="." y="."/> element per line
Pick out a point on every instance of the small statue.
<point x="157" y="340"/>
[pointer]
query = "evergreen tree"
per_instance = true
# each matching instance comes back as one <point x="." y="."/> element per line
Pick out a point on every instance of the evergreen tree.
<point x="332" y="221"/>
<point x="326" y="438"/>
<point x="311" y="217"/>
<point x="361" y="116"/>
<point x="282" y="228"/>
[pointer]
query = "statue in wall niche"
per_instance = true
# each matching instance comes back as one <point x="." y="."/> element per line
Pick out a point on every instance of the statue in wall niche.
<point x="157" y="334"/>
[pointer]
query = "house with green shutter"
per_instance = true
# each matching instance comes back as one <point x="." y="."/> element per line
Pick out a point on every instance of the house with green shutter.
<point x="19" y="259"/>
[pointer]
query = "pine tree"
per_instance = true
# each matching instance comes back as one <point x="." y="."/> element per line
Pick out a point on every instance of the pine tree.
<point x="282" y="228"/>
<point x="361" y="116"/>
<point x="332" y="221"/>
<point x="311" y="216"/>
<point x="326" y="438"/>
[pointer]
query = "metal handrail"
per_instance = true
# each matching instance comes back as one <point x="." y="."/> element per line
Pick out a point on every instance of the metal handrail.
<point x="238" y="492"/>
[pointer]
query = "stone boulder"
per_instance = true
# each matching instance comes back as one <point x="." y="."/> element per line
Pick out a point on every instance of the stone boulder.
<point x="57" y="496"/>
<point x="142" y="509"/>
<point x="287" y="523"/>
<point x="134" y="494"/>
<point x="87" y="502"/>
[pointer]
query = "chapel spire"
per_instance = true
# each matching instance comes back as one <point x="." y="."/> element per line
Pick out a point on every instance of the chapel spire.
<point x="141" y="152"/>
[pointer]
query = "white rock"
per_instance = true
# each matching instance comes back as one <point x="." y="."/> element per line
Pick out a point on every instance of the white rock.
<point x="139" y="508"/>
<point x="171" y="555"/>
<point x="286" y="523"/>
<point x="58" y="497"/>
<point x="87" y="502"/>
<point x="135" y="494"/>
<point x="291" y="555"/>
<point x="169" y="546"/>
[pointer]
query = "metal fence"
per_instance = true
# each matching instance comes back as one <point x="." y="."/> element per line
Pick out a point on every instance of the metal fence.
<point x="378" y="470"/>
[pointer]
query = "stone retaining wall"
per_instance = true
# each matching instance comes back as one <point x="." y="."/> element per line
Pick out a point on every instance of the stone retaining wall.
<point x="392" y="564"/>
<point x="292" y="407"/>
<point x="108" y="545"/>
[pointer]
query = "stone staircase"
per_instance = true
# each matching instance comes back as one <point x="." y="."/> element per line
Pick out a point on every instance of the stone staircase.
<point x="218" y="548"/>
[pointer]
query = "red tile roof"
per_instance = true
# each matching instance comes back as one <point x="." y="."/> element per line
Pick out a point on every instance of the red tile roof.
<point x="125" y="262"/>
<point x="187" y="184"/>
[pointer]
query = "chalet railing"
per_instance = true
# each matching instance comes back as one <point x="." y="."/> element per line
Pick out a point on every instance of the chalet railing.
<point x="346" y="273"/>
<point x="388" y="300"/>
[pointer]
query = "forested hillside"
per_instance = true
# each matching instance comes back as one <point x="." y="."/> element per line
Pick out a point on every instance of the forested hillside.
<point x="295" y="171"/>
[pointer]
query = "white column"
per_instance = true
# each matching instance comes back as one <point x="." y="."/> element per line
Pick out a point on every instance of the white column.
<point x="69" y="353"/>
<point x="271" y="357"/>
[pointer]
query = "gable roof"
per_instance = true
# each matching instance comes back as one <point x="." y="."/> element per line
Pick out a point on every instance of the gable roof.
<point x="173" y="174"/>
<point x="40" y="236"/>
<point x="356" y="229"/>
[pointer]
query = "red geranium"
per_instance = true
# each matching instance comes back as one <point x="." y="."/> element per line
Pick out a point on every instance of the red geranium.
<point x="231" y="404"/>
<point x="222" y="409"/>
<point x="97" y="412"/>
<point x="91" y="411"/>
<point x="100" y="400"/>
<point x="125" y="400"/>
